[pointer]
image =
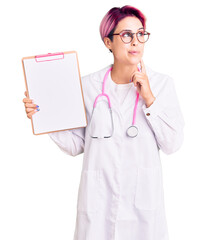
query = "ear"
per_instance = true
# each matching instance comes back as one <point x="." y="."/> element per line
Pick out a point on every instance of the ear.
<point x="108" y="43"/>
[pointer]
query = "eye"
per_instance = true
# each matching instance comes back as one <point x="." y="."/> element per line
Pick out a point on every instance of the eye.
<point x="126" y="34"/>
<point x="141" y="33"/>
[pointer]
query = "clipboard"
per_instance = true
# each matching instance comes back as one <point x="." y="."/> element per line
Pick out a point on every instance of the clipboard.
<point x="53" y="81"/>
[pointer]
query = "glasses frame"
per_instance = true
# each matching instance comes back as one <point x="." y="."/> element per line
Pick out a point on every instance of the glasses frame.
<point x="132" y="36"/>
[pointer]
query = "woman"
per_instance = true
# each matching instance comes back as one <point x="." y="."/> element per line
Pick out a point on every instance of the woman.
<point x="121" y="191"/>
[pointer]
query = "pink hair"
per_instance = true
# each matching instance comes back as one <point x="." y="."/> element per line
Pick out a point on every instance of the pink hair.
<point x="113" y="17"/>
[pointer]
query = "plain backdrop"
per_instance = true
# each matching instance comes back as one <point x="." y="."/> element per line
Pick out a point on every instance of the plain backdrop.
<point x="38" y="182"/>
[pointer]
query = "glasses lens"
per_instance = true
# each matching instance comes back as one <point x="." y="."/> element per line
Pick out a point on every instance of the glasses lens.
<point x="126" y="37"/>
<point x="142" y="36"/>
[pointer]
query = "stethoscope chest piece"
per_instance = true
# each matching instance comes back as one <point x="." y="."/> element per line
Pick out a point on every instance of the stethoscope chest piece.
<point x="132" y="131"/>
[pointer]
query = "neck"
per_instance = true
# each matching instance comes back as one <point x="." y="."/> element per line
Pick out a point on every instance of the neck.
<point x="121" y="73"/>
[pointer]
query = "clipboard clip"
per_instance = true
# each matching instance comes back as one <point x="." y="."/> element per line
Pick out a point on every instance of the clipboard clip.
<point x="49" y="57"/>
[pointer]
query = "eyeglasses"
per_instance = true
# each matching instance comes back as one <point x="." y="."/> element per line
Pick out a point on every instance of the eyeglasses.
<point x="127" y="36"/>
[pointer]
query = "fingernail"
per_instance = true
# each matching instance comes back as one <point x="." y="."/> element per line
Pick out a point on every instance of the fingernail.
<point x="37" y="106"/>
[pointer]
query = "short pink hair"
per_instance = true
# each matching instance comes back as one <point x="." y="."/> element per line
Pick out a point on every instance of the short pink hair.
<point x="115" y="15"/>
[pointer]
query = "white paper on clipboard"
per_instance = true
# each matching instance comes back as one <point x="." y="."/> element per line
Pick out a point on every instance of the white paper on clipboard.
<point x="53" y="81"/>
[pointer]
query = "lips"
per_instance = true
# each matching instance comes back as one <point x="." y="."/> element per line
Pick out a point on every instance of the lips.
<point x="134" y="52"/>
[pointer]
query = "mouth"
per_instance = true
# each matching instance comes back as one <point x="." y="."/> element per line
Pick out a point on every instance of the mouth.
<point x="134" y="52"/>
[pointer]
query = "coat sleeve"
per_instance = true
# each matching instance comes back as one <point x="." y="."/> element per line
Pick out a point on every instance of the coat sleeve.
<point x="71" y="141"/>
<point x="165" y="118"/>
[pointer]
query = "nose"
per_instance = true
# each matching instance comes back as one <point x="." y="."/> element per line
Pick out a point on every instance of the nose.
<point x="134" y="40"/>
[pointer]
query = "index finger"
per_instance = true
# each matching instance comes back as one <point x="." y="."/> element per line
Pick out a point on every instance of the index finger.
<point x="142" y="66"/>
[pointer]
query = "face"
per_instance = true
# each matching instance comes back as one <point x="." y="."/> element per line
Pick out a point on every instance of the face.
<point x="127" y="53"/>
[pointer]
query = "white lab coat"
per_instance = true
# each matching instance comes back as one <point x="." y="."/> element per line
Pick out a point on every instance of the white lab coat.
<point x="121" y="190"/>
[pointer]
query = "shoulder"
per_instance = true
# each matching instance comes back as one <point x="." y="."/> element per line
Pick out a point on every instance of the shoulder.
<point x="92" y="83"/>
<point x="155" y="75"/>
<point x="158" y="80"/>
<point x="96" y="76"/>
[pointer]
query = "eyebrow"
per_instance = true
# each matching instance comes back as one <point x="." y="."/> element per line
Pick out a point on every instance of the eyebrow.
<point x="131" y="30"/>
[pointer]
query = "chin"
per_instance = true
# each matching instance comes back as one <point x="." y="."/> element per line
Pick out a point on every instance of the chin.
<point x="134" y="61"/>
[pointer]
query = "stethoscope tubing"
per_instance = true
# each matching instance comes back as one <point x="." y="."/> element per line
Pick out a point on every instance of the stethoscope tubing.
<point x="109" y="103"/>
<point x="104" y="94"/>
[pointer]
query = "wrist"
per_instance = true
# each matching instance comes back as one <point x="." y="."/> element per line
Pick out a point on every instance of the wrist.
<point x="149" y="101"/>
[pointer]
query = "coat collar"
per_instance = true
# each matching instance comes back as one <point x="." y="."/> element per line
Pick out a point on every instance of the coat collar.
<point x="129" y="100"/>
<point x="99" y="75"/>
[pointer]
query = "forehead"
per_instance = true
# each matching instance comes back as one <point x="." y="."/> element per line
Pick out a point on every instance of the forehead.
<point x="132" y="23"/>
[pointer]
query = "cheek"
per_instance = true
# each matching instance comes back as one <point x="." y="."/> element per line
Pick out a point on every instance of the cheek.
<point x="142" y="48"/>
<point x="121" y="51"/>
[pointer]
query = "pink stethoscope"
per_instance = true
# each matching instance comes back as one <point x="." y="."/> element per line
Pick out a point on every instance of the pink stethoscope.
<point x="132" y="131"/>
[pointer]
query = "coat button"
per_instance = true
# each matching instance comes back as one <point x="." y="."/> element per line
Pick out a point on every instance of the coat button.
<point x="148" y="114"/>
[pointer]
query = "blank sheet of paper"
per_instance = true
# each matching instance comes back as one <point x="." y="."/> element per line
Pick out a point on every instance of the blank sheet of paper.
<point x="54" y="83"/>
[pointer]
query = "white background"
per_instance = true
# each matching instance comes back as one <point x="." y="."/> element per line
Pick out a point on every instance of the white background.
<point x="38" y="182"/>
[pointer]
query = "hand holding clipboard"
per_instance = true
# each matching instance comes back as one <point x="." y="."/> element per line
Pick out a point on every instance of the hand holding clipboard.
<point x="30" y="107"/>
<point x="54" y="82"/>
